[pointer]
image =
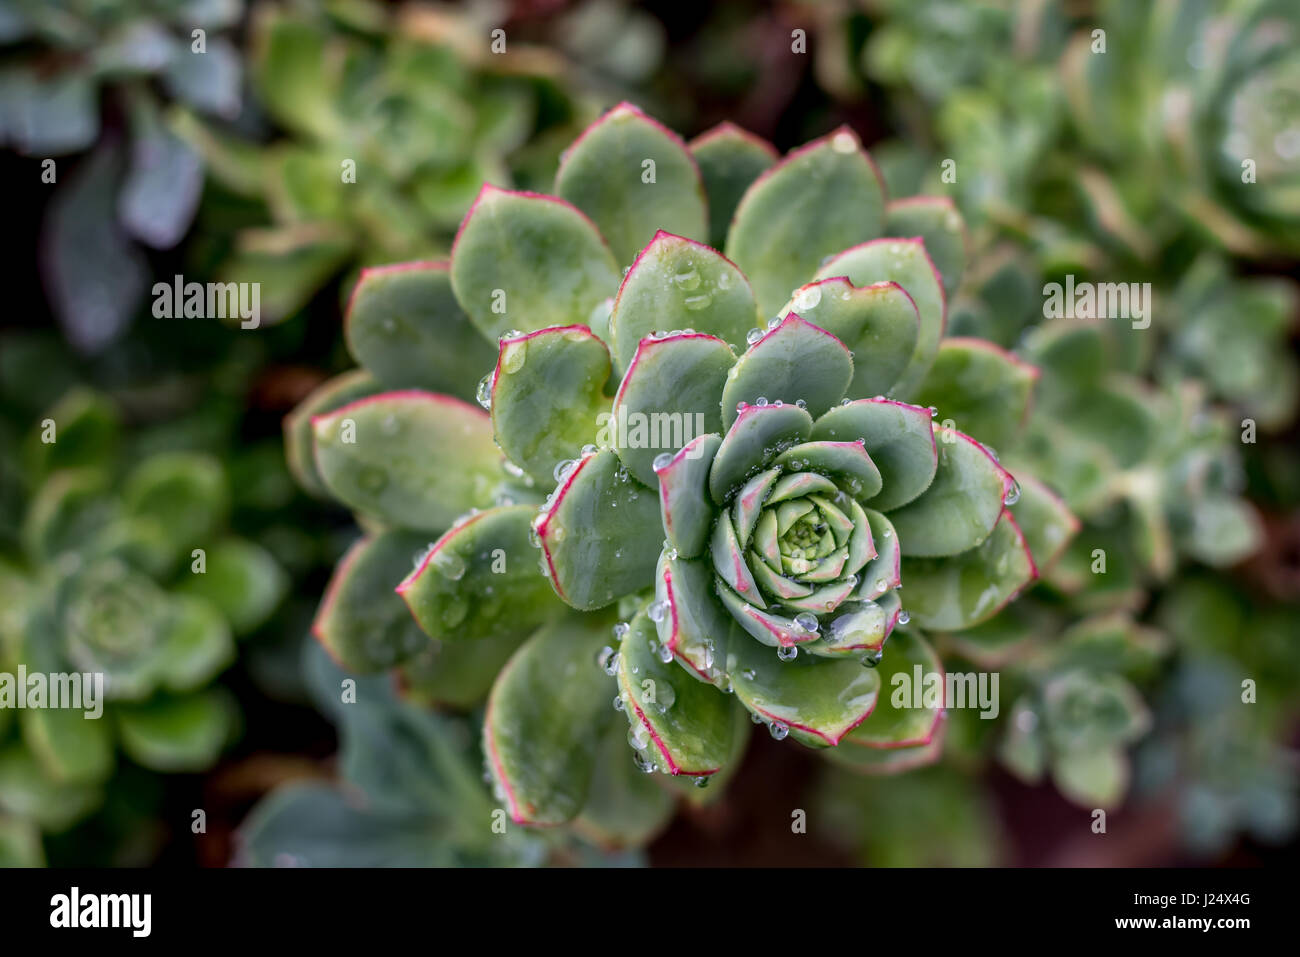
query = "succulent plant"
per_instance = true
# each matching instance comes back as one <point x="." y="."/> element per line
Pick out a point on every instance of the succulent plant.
<point x="756" y="553"/>
<point x="131" y="577"/>
<point x="386" y="123"/>
<point x="141" y="62"/>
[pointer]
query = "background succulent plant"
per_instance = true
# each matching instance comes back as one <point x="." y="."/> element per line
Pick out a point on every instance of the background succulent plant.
<point x="114" y="76"/>
<point x="791" y="515"/>
<point x="130" y="574"/>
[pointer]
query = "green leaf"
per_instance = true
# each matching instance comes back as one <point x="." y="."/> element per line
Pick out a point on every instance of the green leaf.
<point x="730" y="159"/>
<point x="1092" y="778"/>
<point x="632" y="176"/>
<point x="403" y="324"/>
<point x="886" y="760"/>
<point x="846" y="462"/>
<point x="818" y="700"/>
<point x="625" y="807"/>
<point x="897" y="436"/>
<point x="184" y="495"/>
<point x="936" y="220"/>
<point x="897" y="721"/>
<point x="754" y="440"/>
<point x="793" y="361"/>
<point x="414" y="459"/>
<point x="859" y="628"/>
<point x="86" y="433"/>
<point x="27" y="791"/>
<point x="481" y="580"/>
<point x="525" y="261"/>
<point x="296" y="73"/>
<point x="68" y="514"/>
<point x="668" y="397"/>
<point x="198" y="645"/>
<point x="884" y="571"/>
<point x="601" y="534"/>
<point x="683" y="495"/>
<point x="684" y="726"/>
<point x="178" y="734"/>
<point x="548" y="393"/>
<point x="878" y="323"/>
<point x="980" y="389"/>
<point x="242" y="579"/>
<point x="546" y="716"/>
<point x="962" y="504"/>
<point x="821" y="198"/>
<point x="20" y="843"/>
<point x="1047" y="524"/>
<point x="694" y="627"/>
<point x="330" y="395"/>
<point x="457" y="674"/>
<point x="677" y="283"/>
<point x="906" y="262"/>
<point x="948" y="594"/>
<point x="362" y="622"/>
<point x="73" y="748"/>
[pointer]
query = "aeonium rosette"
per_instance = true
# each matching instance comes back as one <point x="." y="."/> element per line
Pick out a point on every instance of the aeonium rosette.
<point x="735" y="502"/>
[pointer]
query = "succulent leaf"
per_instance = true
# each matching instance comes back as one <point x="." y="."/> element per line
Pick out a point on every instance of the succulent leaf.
<point x="298" y="442"/>
<point x="684" y="494"/>
<point x="939" y="224"/>
<point x="730" y="159"/>
<point x="526" y="261"/>
<point x="980" y="388"/>
<point x="898" y="438"/>
<point x="414" y="459"/>
<point x="632" y="175"/>
<point x="758" y="435"/>
<point x="897" y="722"/>
<point x="775" y="369"/>
<point x="547" y="393"/>
<point x="821" y="198"/>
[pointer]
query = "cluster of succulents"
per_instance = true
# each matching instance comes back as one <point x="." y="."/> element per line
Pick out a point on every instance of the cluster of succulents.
<point x="385" y="122"/>
<point x="746" y="567"/>
<point x="129" y="577"/>
<point x="111" y="78"/>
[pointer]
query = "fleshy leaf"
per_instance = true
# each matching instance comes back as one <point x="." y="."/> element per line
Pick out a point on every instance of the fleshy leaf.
<point x="884" y="571"/>
<point x="546" y="715"/>
<point x="455" y="674"/>
<point x="198" y="644"/>
<point x="906" y="262"/>
<point x="936" y="220"/>
<point x="948" y="594"/>
<point x="684" y="500"/>
<point x="177" y="734"/>
<point x="684" y="725"/>
<point x="846" y="462"/>
<point x="525" y="261"/>
<point x="821" y="198"/>
<point x="1044" y="519"/>
<point x="962" y="504"/>
<point x="980" y="389"/>
<point x="624" y="807"/>
<point x="730" y="159"/>
<point x="72" y="748"/>
<point x="915" y="719"/>
<point x="632" y="176"/>
<point x="677" y="283"/>
<point x="878" y="323"/>
<point x="819" y="700"/>
<point x="414" y="459"/>
<point x="298" y="443"/>
<point x="601" y="533"/>
<point x="363" y="625"/>
<point x="759" y="435"/>
<point x="858" y="628"/>
<point x="887" y="760"/>
<point x="793" y="361"/>
<point x="481" y="580"/>
<point x="547" y="395"/>
<point x="694" y="626"/>
<point x="403" y="324"/>
<point x="242" y="580"/>
<point x="898" y="437"/>
<point x="668" y="397"/>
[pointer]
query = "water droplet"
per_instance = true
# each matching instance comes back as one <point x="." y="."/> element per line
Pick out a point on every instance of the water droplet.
<point x="563" y="469"/>
<point x="657" y="610"/>
<point x="696" y="303"/>
<point x="778" y="730"/>
<point x="787" y="652"/>
<point x="638" y="736"/>
<point x="588" y="449"/>
<point x="873" y="659"/>
<point x="484" y="393"/>
<point x="808" y="298"/>
<point x="449" y="564"/>
<point x="618" y="702"/>
<point x="903" y="617"/>
<point x="801" y="403"/>
<point x="687" y="277"/>
<point x="608" y="660"/>
<point x="1013" y="494"/>
<point x="701" y="781"/>
<point x="514" y="356"/>
<point x="753" y="336"/>
<point x="845" y="401"/>
<point x="455" y="611"/>
<point x="761" y="401"/>
<point x="756" y="719"/>
<point x="621" y="630"/>
<point x="806" y="621"/>
<point x="661" y="461"/>
<point x="740" y="406"/>
<point x="934" y="412"/>
<point x="644" y="762"/>
<point x="844" y="142"/>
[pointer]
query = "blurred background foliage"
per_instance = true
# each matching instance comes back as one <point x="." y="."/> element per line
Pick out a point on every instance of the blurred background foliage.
<point x="1107" y="141"/>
